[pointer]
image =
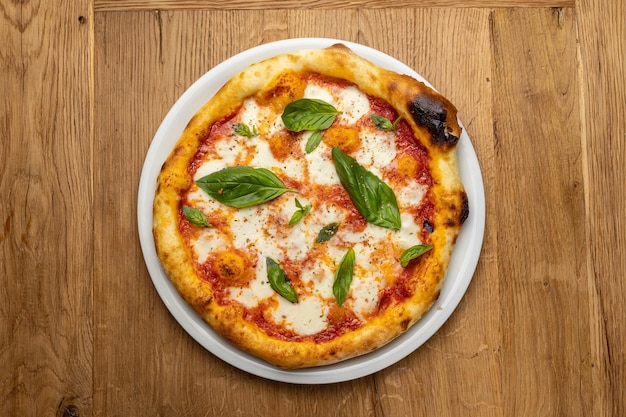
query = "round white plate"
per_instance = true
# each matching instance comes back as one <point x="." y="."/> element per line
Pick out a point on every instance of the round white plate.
<point x="462" y="265"/>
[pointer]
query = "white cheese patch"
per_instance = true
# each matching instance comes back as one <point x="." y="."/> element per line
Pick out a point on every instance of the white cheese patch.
<point x="276" y="123"/>
<point x="363" y="295"/>
<point x="247" y="227"/>
<point x="201" y="200"/>
<point x="408" y="235"/>
<point x="316" y="92"/>
<point x="368" y="277"/>
<point x="320" y="276"/>
<point x="258" y="290"/>
<point x="322" y="171"/>
<point x="324" y="215"/>
<point x="353" y="104"/>
<point x="263" y="158"/>
<point x="378" y="150"/>
<point x="300" y="238"/>
<point x="250" y="114"/>
<point x="410" y="194"/>
<point x="298" y="246"/>
<point x="372" y="233"/>
<point x="208" y="242"/>
<point x="227" y="151"/>
<point x="307" y="317"/>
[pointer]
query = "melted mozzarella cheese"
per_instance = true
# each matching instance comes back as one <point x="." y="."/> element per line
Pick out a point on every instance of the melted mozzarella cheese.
<point x="226" y="155"/>
<point x="317" y="92"/>
<point x="410" y="194"/>
<point x="250" y="114"/>
<point x="307" y="317"/>
<point x="263" y="157"/>
<point x="320" y="276"/>
<point x="377" y="151"/>
<point x="259" y="289"/>
<point x="207" y="244"/>
<point x="322" y="171"/>
<point x="353" y="104"/>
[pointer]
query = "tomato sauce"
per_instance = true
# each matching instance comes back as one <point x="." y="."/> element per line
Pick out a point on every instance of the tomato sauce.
<point x="397" y="292"/>
<point x="220" y="128"/>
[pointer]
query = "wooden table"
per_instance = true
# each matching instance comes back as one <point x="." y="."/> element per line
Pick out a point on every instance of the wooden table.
<point x="541" y="88"/>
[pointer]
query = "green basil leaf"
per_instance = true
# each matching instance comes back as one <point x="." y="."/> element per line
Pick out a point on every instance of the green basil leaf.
<point x="308" y="114"/>
<point x="412" y="253"/>
<point x="242" y="129"/>
<point x="343" y="276"/>
<point x="279" y="282"/>
<point x="313" y="142"/>
<point x="195" y="216"/>
<point x="327" y="232"/>
<point x="243" y="186"/>
<point x="384" y="123"/>
<point x="374" y="199"/>
<point x="300" y="213"/>
<point x="296" y="217"/>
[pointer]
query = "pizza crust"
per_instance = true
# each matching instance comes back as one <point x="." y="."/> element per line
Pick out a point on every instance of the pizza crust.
<point x="434" y="122"/>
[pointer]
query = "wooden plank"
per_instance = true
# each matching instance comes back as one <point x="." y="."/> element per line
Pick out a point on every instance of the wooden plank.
<point x="540" y="213"/>
<point x="128" y="5"/>
<point x="46" y="209"/>
<point x="149" y="58"/>
<point x="450" y="47"/>
<point x="603" y="67"/>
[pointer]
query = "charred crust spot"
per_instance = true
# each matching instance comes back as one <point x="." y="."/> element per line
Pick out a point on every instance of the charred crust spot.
<point x="207" y="302"/>
<point x="464" y="208"/>
<point x="405" y="324"/>
<point x="430" y="113"/>
<point x="428" y="226"/>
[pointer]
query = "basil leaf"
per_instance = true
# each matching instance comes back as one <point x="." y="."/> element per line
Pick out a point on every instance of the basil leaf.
<point x="314" y="141"/>
<point x="296" y="217"/>
<point x="242" y="186"/>
<point x="308" y="114"/>
<point x="242" y="129"/>
<point x="327" y="232"/>
<point x="279" y="282"/>
<point x="300" y="213"/>
<point x="374" y="199"/>
<point x="412" y="253"/>
<point x="195" y="216"/>
<point x="384" y="123"/>
<point x="343" y="276"/>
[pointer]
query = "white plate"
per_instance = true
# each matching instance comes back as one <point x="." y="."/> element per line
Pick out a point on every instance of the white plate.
<point x="462" y="265"/>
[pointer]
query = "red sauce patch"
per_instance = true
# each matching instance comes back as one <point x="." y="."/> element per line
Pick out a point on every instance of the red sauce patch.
<point x="220" y="128"/>
<point x="396" y="293"/>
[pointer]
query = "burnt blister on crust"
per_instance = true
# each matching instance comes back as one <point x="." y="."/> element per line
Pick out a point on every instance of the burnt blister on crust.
<point x="462" y="211"/>
<point x="464" y="208"/>
<point x="430" y="113"/>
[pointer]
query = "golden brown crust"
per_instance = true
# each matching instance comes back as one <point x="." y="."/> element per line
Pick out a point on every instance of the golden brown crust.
<point x="431" y="117"/>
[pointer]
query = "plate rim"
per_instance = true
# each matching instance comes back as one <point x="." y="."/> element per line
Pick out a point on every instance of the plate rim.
<point x="463" y="260"/>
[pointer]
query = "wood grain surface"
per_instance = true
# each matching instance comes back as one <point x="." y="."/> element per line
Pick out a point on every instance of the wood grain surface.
<point x="541" y="89"/>
<point x="126" y="5"/>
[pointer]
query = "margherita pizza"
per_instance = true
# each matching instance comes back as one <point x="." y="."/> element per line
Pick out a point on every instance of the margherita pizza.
<point x="309" y="210"/>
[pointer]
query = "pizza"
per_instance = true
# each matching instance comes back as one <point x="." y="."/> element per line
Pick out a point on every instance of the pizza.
<point x="309" y="209"/>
